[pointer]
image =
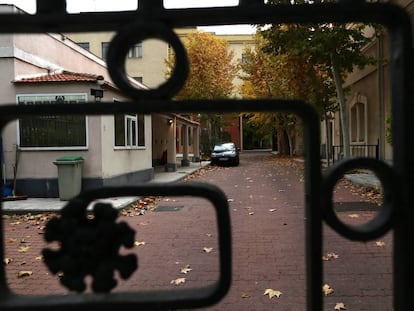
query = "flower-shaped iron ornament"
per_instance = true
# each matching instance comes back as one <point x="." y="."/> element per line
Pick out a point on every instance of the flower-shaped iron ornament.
<point x="89" y="246"/>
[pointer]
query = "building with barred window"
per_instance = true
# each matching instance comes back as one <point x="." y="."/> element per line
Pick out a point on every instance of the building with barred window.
<point x="42" y="69"/>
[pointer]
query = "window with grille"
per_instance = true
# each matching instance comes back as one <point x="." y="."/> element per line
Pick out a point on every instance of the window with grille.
<point x="52" y="131"/>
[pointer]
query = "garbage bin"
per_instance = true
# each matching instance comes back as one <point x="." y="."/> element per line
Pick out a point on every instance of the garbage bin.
<point x="69" y="176"/>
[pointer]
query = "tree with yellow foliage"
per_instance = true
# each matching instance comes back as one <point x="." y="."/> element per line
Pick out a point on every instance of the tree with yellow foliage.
<point x="212" y="72"/>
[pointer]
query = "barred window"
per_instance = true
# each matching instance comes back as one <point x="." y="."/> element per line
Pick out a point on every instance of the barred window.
<point x="52" y="131"/>
<point x="129" y="130"/>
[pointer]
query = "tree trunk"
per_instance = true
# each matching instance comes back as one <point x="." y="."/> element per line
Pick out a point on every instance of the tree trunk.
<point x="274" y="140"/>
<point x="342" y="107"/>
<point x="290" y="143"/>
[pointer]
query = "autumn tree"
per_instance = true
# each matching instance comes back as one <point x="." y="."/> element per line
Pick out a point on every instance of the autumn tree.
<point x="212" y="72"/>
<point x="332" y="47"/>
<point x="283" y="76"/>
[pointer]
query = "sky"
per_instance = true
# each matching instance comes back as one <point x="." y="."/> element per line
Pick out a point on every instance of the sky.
<point x="76" y="6"/>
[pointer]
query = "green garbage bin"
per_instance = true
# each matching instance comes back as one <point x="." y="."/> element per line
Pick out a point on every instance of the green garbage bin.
<point x="69" y="176"/>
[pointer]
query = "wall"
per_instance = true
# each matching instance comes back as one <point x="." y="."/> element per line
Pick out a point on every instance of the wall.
<point x="150" y="66"/>
<point x="125" y="165"/>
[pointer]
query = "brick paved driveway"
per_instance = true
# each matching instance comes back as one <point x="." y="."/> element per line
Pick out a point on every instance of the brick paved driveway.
<point x="267" y="214"/>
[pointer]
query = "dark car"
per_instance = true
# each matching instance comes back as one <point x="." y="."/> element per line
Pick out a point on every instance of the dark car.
<point x="226" y="153"/>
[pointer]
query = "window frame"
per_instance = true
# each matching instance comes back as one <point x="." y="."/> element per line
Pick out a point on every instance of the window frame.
<point x="55" y="148"/>
<point x="135" y="51"/>
<point x="358" y="120"/>
<point x="131" y="128"/>
<point x="104" y="49"/>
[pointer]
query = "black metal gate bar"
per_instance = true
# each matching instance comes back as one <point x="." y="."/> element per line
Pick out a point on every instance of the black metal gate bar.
<point x="51" y="17"/>
<point x="403" y="133"/>
<point x="387" y="14"/>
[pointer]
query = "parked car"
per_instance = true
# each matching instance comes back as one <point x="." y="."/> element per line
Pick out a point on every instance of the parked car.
<point x="226" y="153"/>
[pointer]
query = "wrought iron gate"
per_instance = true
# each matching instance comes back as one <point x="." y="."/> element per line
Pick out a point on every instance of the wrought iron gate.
<point x="152" y="20"/>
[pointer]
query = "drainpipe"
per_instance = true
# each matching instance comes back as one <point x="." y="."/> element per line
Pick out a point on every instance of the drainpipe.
<point x="380" y="95"/>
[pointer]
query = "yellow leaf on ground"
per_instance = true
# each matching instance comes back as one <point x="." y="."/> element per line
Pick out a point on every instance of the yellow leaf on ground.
<point x="7" y="261"/>
<point x="271" y="293"/>
<point x="178" y="281"/>
<point x="380" y="243"/>
<point x="353" y="215"/>
<point x="207" y="249"/>
<point x="330" y="256"/>
<point x="186" y="269"/>
<point x="326" y="289"/>
<point x="22" y="274"/>
<point x="24" y="248"/>
<point x="136" y="243"/>
<point x="245" y="295"/>
<point x="340" y="306"/>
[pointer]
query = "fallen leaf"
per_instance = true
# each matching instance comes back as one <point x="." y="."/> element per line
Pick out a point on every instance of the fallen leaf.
<point x="340" y="306"/>
<point x="245" y="295"/>
<point x="7" y="261"/>
<point x="207" y="249"/>
<point x="271" y="293"/>
<point x="209" y="235"/>
<point x="380" y="243"/>
<point x="326" y="289"/>
<point x="39" y="258"/>
<point x="24" y="248"/>
<point x="251" y="213"/>
<point x="330" y="256"/>
<point x="186" y="269"/>
<point x="22" y="274"/>
<point x="353" y="215"/>
<point x="178" y="281"/>
<point x="272" y="210"/>
<point x="136" y="243"/>
<point x="230" y="200"/>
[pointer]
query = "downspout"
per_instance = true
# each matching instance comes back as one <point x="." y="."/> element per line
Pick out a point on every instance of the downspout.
<point x="380" y="95"/>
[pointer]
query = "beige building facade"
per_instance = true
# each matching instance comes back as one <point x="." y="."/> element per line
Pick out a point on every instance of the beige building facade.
<point x="369" y="102"/>
<point x="48" y="68"/>
<point x="146" y="63"/>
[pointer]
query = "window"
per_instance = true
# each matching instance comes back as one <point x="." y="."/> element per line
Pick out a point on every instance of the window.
<point x="129" y="130"/>
<point x="105" y="47"/>
<point x="139" y="79"/>
<point x="135" y="51"/>
<point x="51" y="131"/>
<point x="358" y="121"/>
<point x="84" y="45"/>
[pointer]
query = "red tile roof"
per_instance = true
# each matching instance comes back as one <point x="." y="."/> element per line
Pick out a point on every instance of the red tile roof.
<point x="65" y="76"/>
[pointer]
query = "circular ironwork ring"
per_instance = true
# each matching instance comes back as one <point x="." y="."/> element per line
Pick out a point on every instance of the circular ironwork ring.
<point x="382" y="221"/>
<point x="137" y="32"/>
